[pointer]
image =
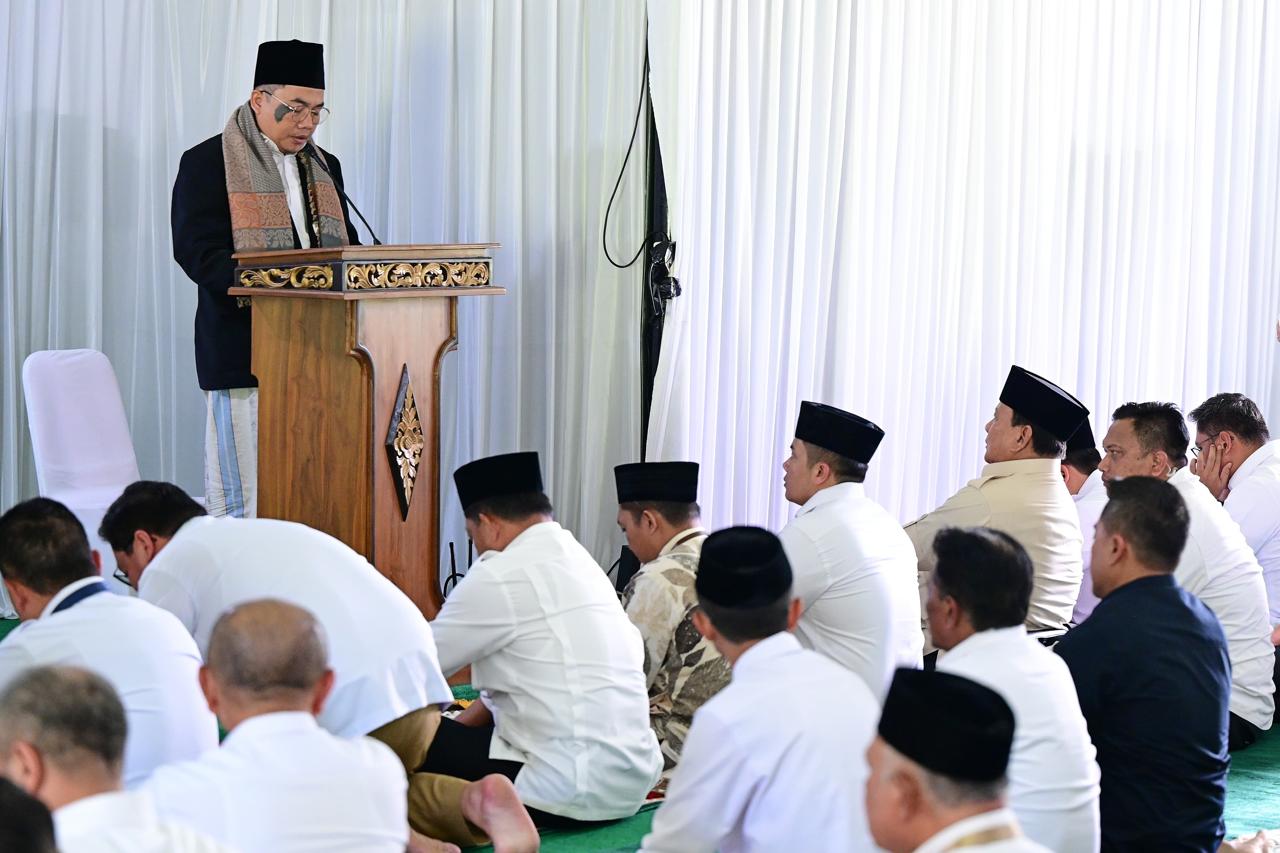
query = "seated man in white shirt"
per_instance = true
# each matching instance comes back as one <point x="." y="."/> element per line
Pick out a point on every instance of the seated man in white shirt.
<point x="658" y="511"/>
<point x="280" y="782"/>
<point x="1217" y="566"/>
<point x="62" y="735"/>
<point x="978" y="600"/>
<point x="71" y="618"/>
<point x="1084" y="482"/>
<point x="938" y="764"/>
<point x="1240" y="464"/>
<point x="26" y="826"/>
<point x="388" y="683"/>
<point x="855" y="570"/>
<point x="1021" y="492"/>
<point x="775" y="760"/>
<point x="563" y="708"/>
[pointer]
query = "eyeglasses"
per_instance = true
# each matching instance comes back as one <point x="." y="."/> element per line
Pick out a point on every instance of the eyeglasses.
<point x="297" y="111"/>
<point x="1197" y="449"/>
<point x="119" y="575"/>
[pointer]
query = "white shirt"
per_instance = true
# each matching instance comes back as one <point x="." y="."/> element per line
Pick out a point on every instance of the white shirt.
<point x="380" y="646"/>
<point x="776" y="761"/>
<point x="1254" y="503"/>
<point x="287" y="164"/>
<point x="1053" y="770"/>
<point x="124" y="822"/>
<point x="966" y="835"/>
<point x="1090" y="501"/>
<point x="855" y="575"/>
<point x="147" y="656"/>
<point x="1026" y="499"/>
<point x="561" y="667"/>
<point x="1219" y="568"/>
<point x="280" y="783"/>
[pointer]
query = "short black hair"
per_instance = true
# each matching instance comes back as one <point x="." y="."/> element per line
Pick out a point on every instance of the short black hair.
<point x="1232" y="413"/>
<point x="43" y="546"/>
<point x="1151" y="516"/>
<point x="26" y="826"/>
<point x="673" y="512"/>
<point x="1158" y="426"/>
<point x="1044" y="443"/>
<point x="987" y="572"/>
<point x="511" y="507"/>
<point x="1085" y="461"/>
<point x="741" y="624"/>
<point x="158" y="508"/>
<point x="844" y="469"/>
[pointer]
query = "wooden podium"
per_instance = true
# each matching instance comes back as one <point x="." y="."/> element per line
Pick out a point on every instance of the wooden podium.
<point x="347" y="347"/>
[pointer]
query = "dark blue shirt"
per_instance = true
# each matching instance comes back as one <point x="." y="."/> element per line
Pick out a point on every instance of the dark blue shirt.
<point x="1151" y="669"/>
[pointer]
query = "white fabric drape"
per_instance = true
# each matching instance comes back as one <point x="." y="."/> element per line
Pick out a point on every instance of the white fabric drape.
<point x="881" y="205"/>
<point x="454" y="121"/>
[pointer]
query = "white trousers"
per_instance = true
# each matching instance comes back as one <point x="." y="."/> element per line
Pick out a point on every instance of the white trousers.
<point x="231" y="453"/>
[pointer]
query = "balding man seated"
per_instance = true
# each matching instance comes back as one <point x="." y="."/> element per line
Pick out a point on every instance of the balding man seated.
<point x="280" y="782"/>
<point x="62" y="734"/>
<point x="387" y="679"/>
<point x="69" y="617"/>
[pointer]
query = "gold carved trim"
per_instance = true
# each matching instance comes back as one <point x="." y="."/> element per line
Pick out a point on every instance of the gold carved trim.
<point x="429" y="274"/>
<point x="405" y="442"/>
<point x="303" y="278"/>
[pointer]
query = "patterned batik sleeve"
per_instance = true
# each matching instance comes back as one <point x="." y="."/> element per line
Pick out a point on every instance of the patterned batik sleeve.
<point x="656" y="607"/>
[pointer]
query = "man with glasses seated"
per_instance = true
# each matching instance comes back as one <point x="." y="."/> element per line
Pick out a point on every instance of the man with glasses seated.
<point x="71" y="619"/>
<point x="252" y="187"/>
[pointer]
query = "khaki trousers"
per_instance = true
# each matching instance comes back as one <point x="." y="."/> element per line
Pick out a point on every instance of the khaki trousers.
<point x="435" y="801"/>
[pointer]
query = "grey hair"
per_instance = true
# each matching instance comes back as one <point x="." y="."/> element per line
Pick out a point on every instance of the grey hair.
<point x="961" y="792"/>
<point x="268" y="650"/>
<point x="68" y="714"/>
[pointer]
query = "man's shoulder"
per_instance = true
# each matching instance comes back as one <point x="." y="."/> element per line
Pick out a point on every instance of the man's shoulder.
<point x="204" y="154"/>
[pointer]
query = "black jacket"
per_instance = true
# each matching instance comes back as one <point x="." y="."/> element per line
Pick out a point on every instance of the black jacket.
<point x="201" y="220"/>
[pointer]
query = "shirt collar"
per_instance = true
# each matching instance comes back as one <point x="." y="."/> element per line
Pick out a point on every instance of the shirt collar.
<point x="958" y="830"/>
<point x="1093" y="483"/>
<point x="91" y="815"/>
<point x="1263" y="454"/>
<point x="1182" y="475"/>
<point x="682" y="539"/>
<point x="831" y="494"/>
<point x="980" y="640"/>
<point x="533" y="532"/>
<point x="270" y="725"/>
<point x="66" y="591"/>
<point x="1022" y="466"/>
<point x="760" y="656"/>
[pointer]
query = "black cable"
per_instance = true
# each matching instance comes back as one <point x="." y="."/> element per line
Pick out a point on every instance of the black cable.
<point x="604" y="236"/>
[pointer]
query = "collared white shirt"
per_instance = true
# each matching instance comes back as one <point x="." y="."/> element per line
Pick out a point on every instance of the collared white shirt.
<point x="1053" y="770"/>
<point x="1090" y="501"/>
<point x="855" y="575"/>
<point x="561" y="667"/>
<point x="968" y="834"/>
<point x="1026" y="499"/>
<point x="775" y="761"/>
<point x="287" y="164"/>
<point x="147" y="656"/>
<point x="281" y="784"/>
<point x="125" y="822"/>
<point x="380" y="646"/>
<point x="1254" y="503"/>
<point x="1219" y="568"/>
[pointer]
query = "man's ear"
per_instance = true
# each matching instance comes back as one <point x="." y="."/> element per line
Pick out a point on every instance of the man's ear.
<point x="323" y="689"/>
<point x="26" y="767"/>
<point x="793" y="613"/>
<point x="97" y="560"/>
<point x="209" y="686"/>
<point x="649" y="520"/>
<point x="703" y="624"/>
<point x="821" y="473"/>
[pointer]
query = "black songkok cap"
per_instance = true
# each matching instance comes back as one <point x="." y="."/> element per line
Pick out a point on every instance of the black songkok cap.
<point x="1082" y="439"/>
<point x="1043" y="403"/>
<point x="741" y="568"/>
<point x="290" y="63"/>
<point x="497" y="476"/>
<point x="838" y="431"/>
<point x="948" y="725"/>
<point x="674" y="482"/>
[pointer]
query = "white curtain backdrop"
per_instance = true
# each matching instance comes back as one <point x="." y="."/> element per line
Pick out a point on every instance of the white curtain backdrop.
<point x="455" y="121"/>
<point x="882" y="204"/>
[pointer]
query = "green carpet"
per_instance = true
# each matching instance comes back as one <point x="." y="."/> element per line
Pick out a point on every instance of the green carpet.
<point x="621" y="837"/>
<point x="7" y="625"/>
<point x="1253" y="787"/>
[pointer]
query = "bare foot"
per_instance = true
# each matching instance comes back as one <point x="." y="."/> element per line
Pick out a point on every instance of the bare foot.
<point x="419" y="843"/>
<point x="493" y="805"/>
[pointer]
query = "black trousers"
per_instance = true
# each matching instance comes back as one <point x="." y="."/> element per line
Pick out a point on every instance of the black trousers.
<point x="1241" y="734"/>
<point x="463" y="751"/>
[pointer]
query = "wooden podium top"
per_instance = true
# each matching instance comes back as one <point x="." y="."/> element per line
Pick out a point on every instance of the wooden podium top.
<point x="353" y="272"/>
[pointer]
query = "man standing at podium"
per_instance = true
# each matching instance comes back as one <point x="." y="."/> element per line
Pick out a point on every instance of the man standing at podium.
<point x="252" y="187"/>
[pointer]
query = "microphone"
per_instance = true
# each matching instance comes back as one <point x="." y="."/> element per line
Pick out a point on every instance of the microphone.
<point x="315" y="156"/>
